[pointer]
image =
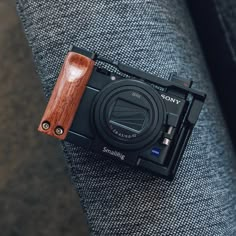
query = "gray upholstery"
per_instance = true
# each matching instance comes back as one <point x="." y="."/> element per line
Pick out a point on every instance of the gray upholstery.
<point x="158" y="37"/>
<point x="226" y="13"/>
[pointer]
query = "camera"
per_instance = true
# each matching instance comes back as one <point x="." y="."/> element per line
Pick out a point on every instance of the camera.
<point x="121" y="112"/>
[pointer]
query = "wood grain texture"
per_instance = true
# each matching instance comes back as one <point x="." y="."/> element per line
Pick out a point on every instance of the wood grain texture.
<point x="67" y="94"/>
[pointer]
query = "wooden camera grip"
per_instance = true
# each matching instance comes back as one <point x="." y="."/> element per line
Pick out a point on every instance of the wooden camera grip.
<point x="66" y="95"/>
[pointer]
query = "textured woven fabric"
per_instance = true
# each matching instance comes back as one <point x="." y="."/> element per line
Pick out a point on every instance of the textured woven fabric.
<point x="227" y="15"/>
<point x="158" y="37"/>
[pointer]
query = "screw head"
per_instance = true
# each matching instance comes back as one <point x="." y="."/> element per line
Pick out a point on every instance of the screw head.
<point x="166" y="141"/>
<point x="113" y="78"/>
<point x="45" y="125"/>
<point x="59" y="131"/>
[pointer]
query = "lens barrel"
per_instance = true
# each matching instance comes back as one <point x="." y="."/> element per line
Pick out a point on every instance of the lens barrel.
<point x="129" y="114"/>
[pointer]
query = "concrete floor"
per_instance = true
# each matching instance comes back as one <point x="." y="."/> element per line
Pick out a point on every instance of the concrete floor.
<point x="36" y="196"/>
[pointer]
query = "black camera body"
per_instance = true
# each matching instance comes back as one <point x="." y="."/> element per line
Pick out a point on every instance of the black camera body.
<point x="136" y="117"/>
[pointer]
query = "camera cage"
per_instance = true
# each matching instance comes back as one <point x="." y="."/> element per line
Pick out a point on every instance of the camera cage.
<point x="68" y="92"/>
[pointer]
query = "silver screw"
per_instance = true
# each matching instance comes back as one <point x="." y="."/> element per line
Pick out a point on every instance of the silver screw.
<point x="170" y="130"/>
<point x="166" y="141"/>
<point x="45" y="125"/>
<point x="113" y="78"/>
<point x="59" y="130"/>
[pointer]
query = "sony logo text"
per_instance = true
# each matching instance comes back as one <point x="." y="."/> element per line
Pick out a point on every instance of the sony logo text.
<point x="170" y="99"/>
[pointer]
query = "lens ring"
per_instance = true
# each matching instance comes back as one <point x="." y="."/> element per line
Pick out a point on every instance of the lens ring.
<point x="113" y="97"/>
<point x="151" y="99"/>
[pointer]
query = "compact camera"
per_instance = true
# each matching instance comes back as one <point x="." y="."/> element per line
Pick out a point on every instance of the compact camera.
<point x="124" y="113"/>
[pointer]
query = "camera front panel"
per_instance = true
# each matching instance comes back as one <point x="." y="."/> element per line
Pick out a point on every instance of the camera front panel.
<point x="128" y="120"/>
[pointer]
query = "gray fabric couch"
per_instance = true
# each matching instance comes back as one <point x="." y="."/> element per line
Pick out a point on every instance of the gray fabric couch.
<point x="158" y="37"/>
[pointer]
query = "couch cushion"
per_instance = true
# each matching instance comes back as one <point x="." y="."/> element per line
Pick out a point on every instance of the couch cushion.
<point x="158" y="37"/>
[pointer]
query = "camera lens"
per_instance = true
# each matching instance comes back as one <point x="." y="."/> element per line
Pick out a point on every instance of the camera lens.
<point x="129" y="114"/>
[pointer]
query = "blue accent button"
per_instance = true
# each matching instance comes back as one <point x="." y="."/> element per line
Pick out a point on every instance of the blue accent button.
<point x="156" y="152"/>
